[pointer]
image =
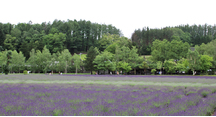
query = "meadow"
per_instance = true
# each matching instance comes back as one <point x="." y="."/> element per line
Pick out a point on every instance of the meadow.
<point x="111" y="95"/>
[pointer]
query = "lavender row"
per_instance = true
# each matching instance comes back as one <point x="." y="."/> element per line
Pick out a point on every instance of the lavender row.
<point x="66" y="100"/>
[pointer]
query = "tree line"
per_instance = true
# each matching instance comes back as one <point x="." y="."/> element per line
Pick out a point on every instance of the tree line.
<point x="193" y="35"/>
<point x="119" y="54"/>
<point x="76" y="36"/>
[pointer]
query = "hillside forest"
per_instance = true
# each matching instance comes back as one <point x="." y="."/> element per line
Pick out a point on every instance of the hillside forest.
<point x="55" y="47"/>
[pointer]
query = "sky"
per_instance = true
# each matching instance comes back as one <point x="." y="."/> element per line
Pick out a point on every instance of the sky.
<point x="126" y="15"/>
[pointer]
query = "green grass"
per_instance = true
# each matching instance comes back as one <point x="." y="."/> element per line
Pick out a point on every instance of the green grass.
<point x="117" y="83"/>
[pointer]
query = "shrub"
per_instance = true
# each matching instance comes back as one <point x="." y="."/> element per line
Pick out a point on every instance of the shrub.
<point x="93" y="72"/>
<point x="153" y="71"/>
<point x="5" y="69"/>
<point x="205" y="93"/>
<point x="25" y="72"/>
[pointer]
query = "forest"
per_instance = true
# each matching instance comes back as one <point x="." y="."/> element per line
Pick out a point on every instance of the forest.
<point x="55" y="47"/>
<point x="76" y="36"/>
<point x="194" y="35"/>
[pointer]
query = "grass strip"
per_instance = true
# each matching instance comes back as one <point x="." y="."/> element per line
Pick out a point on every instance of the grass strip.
<point x="117" y="83"/>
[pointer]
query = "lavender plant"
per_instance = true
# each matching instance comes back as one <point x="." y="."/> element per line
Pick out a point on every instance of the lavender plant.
<point x="91" y="100"/>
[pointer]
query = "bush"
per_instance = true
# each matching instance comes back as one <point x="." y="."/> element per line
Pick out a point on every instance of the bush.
<point x="25" y="72"/>
<point x="205" y="93"/>
<point x="5" y="69"/>
<point x="93" y="72"/>
<point x="153" y="71"/>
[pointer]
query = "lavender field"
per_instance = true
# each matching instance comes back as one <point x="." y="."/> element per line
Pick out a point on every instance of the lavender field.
<point x="84" y="98"/>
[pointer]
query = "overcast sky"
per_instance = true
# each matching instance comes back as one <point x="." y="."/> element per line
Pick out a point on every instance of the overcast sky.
<point x="126" y="15"/>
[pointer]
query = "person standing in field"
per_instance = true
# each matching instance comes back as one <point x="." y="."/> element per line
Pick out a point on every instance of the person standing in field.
<point x="117" y="73"/>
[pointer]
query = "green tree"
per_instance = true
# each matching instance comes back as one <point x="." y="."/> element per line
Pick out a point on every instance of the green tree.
<point x="151" y="63"/>
<point x="3" y="58"/>
<point x="103" y="61"/>
<point x="43" y="59"/>
<point x="77" y="61"/>
<point x="21" y="61"/>
<point x="65" y="59"/>
<point x="125" y="67"/>
<point x="10" y="42"/>
<point x="170" y="65"/>
<point x="205" y="62"/>
<point x="15" y="59"/>
<point x="125" y="51"/>
<point x="1" y="48"/>
<point x="193" y="58"/>
<point x="32" y="61"/>
<point x="144" y="66"/>
<point x="208" y="49"/>
<point x="159" y="66"/>
<point x="134" y="59"/>
<point x="53" y="66"/>
<point x="160" y="50"/>
<point x="111" y="48"/>
<point x="6" y="67"/>
<point x="117" y="56"/>
<point x="91" y="55"/>
<point x="182" y="65"/>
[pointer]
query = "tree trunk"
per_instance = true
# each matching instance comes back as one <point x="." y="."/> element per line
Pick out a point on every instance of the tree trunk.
<point x="52" y="71"/>
<point x="91" y="72"/>
<point x="66" y="68"/>
<point x="144" y="71"/>
<point x="134" y="71"/>
<point x="76" y="69"/>
<point x="193" y="72"/>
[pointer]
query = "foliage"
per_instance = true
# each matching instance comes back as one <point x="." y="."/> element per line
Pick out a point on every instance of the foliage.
<point x="205" y="62"/>
<point x="159" y="65"/>
<point x="193" y="35"/>
<point x="164" y="50"/>
<point x="64" y="60"/>
<point x="18" y="61"/>
<point x="10" y="42"/>
<point x="5" y="69"/>
<point x="144" y="66"/>
<point x="125" y="67"/>
<point x="25" y="72"/>
<point x="77" y="61"/>
<point x="134" y="59"/>
<point x="103" y="61"/>
<point x="33" y="61"/>
<point x="124" y="54"/>
<point x="151" y="63"/>
<point x="91" y="55"/>
<point x="193" y="58"/>
<point x="6" y="66"/>
<point x="109" y="42"/>
<point x="43" y="59"/>
<point x="153" y="71"/>
<point x="76" y="36"/>
<point x="170" y="65"/>
<point x="182" y="65"/>
<point x="208" y="49"/>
